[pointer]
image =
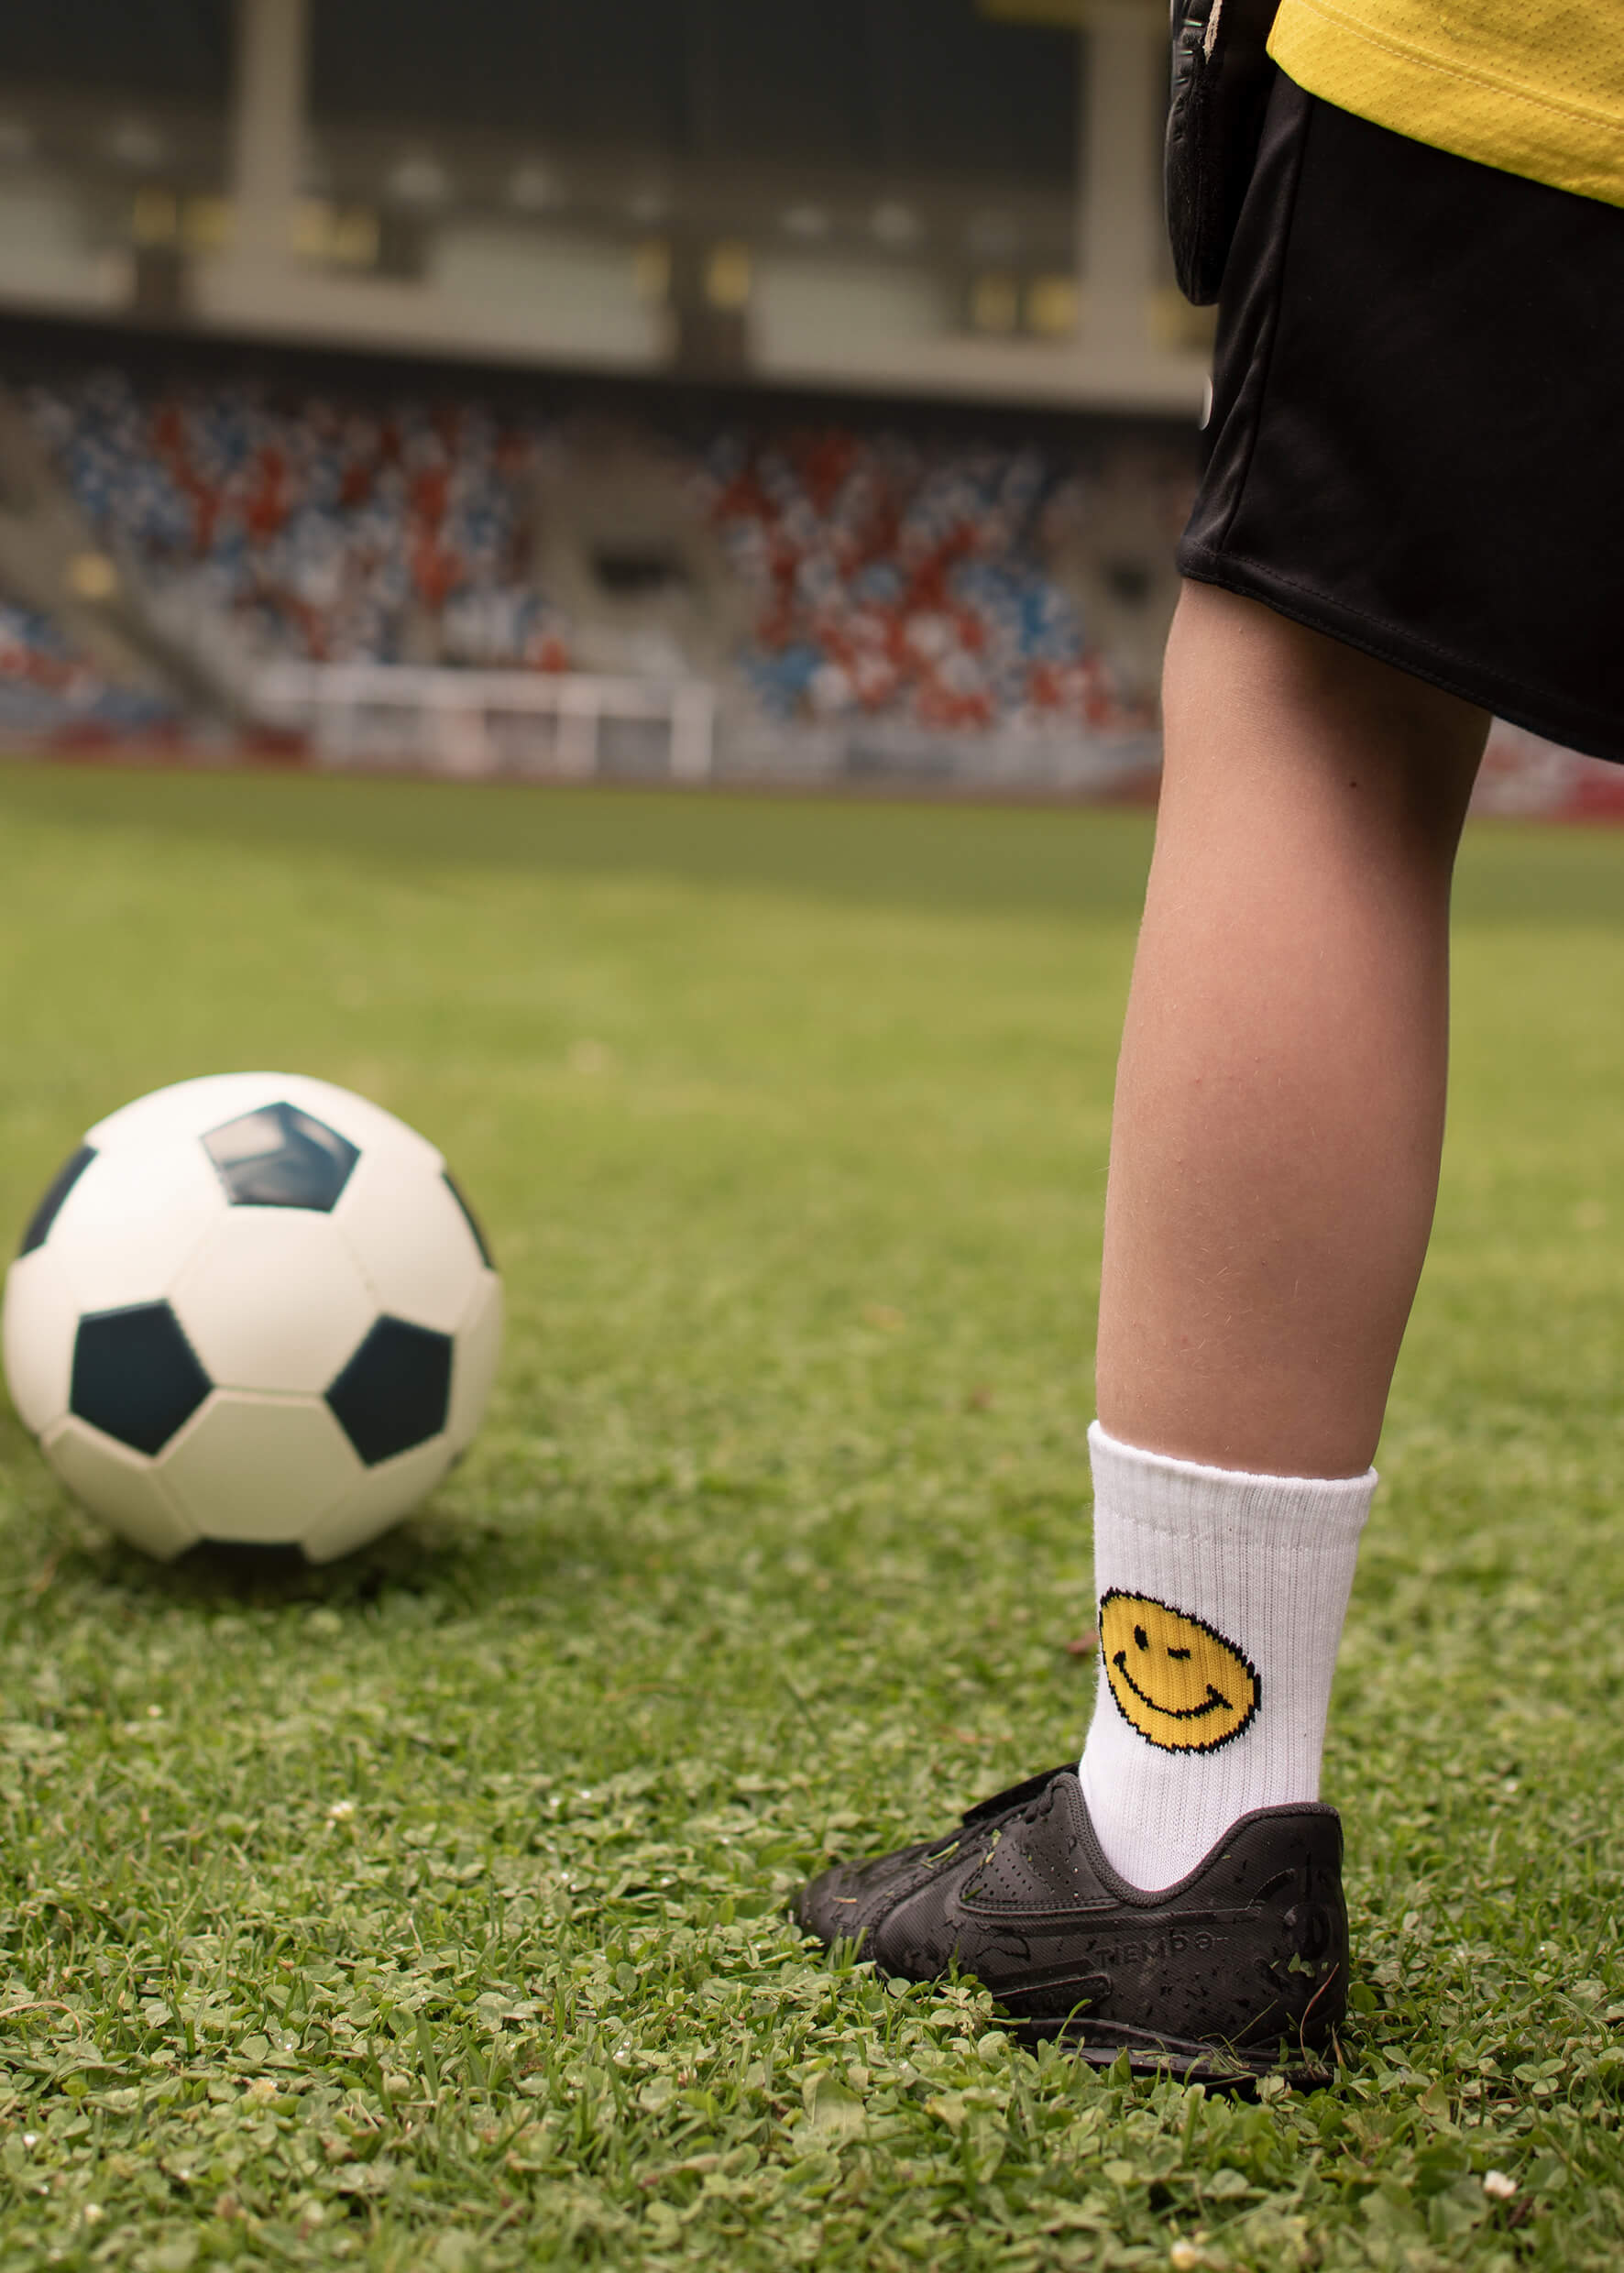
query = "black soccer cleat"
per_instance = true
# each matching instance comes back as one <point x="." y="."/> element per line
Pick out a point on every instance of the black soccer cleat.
<point x="1239" y="1971"/>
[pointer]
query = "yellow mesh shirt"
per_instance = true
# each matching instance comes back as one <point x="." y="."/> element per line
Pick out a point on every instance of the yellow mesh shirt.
<point x="1534" y="87"/>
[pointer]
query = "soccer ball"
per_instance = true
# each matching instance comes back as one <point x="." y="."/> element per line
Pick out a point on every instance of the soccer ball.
<point x="255" y="1308"/>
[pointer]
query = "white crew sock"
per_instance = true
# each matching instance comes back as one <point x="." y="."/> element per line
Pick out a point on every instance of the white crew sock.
<point x="1222" y="1598"/>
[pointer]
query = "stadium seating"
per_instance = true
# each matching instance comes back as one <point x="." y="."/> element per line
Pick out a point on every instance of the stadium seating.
<point x="328" y="532"/>
<point x="46" y="687"/>
<point x="885" y="579"/>
<point x="893" y="578"/>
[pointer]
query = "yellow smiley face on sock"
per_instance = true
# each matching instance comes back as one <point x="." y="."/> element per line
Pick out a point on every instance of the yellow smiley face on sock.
<point x="1175" y="1678"/>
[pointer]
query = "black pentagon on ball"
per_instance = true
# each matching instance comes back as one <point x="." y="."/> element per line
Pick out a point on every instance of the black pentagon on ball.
<point x="55" y="1193"/>
<point x="395" y="1392"/>
<point x="136" y="1376"/>
<point x="280" y="1156"/>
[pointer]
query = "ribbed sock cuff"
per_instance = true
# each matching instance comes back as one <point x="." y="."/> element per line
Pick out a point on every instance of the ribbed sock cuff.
<point x="1186" y="1497"/>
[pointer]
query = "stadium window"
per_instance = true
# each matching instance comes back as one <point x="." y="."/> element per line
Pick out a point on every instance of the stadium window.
<point x="726" y="276"/>
<point x="207" y="223"/>
<point x="994" y="302"/>
<point x="155" y="216"/>
<point x="347" y="236"/>
<point x="1052" y="306"/>
<point x="650" y="269"/>
<point x="355" y="238"/>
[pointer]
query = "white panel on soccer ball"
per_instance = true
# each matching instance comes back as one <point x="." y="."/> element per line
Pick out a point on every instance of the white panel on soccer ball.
<point x="185" y="1109"/>
<point x="260" y="1469"/>
<point x="411" y="1239"/>
<point x="476" y="1349"/>
<point x="122" y="1487"/>
<point x="41" y="1318"/>
<point x="273" y="1300"/>
<point x="385" y="1494"/>
<point x="130" y="1222"/>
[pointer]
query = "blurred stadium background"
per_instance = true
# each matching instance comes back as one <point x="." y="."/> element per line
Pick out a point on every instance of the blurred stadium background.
<point x="657" y="388"/>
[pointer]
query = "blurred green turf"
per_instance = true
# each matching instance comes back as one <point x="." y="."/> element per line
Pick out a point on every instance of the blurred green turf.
<point x="425" y="1913"/>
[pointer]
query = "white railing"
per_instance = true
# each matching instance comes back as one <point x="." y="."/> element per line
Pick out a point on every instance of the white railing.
<point x="476" y="723"/>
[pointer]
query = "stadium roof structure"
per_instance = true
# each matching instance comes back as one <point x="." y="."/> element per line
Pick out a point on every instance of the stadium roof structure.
<point x="172" y="48"/>
<point x="900" y="84"/>
<point x="920" y="84"/>
<point x="955" y="196"/>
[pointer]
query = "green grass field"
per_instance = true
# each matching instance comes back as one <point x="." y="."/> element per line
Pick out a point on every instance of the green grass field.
<point x="426" y="1913"/>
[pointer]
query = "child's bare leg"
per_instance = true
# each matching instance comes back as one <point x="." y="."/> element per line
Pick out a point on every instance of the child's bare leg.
<point x="1279" y="1105"/>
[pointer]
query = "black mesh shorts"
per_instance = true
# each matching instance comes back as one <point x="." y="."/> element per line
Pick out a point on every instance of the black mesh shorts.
<point x="1417" y="436"/>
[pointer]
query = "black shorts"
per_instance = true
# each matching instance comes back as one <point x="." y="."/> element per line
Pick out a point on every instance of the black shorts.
<point x="1417" y="436"/>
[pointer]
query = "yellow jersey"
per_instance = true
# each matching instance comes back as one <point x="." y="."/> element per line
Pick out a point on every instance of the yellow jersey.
<point x="1535" y="87"/>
